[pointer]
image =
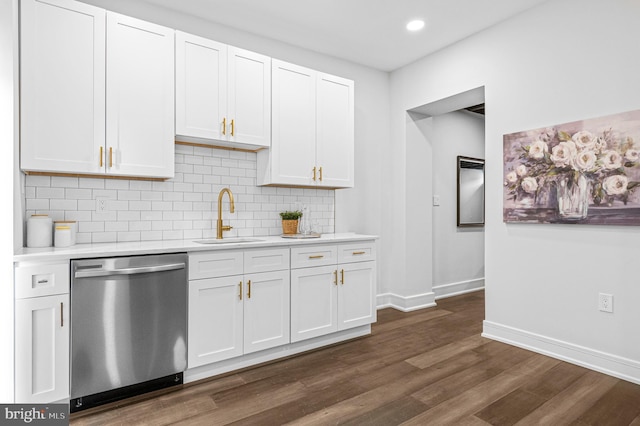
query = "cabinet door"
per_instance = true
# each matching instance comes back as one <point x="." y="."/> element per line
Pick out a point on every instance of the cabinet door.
<point x="42" y="349"/>
<point x="356" y="294"/>
<point x="266" y="310"/>
<point x="215" y="320"/>
<point x="140" y="98"/>
<point x="294" y="124"/>
<point x="62" y="97"/>
<point x="313" y="302"/>
<point x="249" y="98"/>
<point x="335" y="138"/>
<point x="201" y="86"/>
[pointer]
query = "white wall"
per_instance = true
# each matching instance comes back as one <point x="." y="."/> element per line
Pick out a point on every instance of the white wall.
<point x="562" y="61"/>
<point x="458" y="253"/>
<point x="8" y="123"/>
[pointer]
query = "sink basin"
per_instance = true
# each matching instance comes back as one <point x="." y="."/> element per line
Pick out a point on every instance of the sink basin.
<point x="228" y="240"/>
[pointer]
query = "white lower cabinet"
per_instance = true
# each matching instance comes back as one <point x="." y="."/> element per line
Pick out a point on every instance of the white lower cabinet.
<point x="42" y="335"/>
<point x="333" y="297"/>
<point x="237" y="314"/>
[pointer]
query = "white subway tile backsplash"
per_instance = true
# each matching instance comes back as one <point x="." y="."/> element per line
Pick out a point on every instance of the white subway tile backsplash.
<point x="37" y="204"/>
<point x="116" y="184"/>
<point x="63" y="205"/>
<point x="116" y="226"/>
<point x="128" y="236"/>
<point x="47" y="192"/>
<point x="32" y="180"/>
<point x="91" y="183"/>
<point x="64" y="182"/>
<point x="140" y="225"/>
<point x="183" y="207"/>
<point x="129" y="195"/>
<point x="140" y="205"/>
<point x="78" y="194"/>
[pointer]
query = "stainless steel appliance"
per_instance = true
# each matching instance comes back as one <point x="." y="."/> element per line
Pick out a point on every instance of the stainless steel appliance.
<point x="128" y="326"/>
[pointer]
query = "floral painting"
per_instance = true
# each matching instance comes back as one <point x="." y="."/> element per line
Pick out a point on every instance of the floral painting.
<point x="581" y="172"/>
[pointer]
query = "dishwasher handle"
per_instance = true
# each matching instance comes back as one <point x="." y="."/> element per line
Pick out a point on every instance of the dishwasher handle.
<point x="129" y="271"/>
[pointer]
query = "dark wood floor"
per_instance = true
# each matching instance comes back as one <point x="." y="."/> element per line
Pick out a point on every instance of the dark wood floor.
<point x="428" y="367"/>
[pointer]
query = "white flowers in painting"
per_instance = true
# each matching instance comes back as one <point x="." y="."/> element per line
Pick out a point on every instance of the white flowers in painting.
<point x="602" y="159"/>
<point x="563" y="154"/>
<point x="529" y="184"/>
<point x="612" y="160"/>
<point x="538" y="149"/>
<point x="615" y="185"/>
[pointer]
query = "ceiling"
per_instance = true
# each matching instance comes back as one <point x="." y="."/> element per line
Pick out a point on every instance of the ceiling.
<point x="368" y="32"/>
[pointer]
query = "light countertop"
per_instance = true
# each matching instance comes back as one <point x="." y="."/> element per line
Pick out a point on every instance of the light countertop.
<point x="84" y="251"/>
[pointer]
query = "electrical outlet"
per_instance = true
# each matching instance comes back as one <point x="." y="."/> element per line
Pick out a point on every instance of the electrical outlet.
<point x="101" y="204"/>
<point x="605" y="302"/>
<point x="436" y="200"/>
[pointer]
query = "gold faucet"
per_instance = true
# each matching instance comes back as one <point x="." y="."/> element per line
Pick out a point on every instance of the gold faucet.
<point x="221" y="227"/>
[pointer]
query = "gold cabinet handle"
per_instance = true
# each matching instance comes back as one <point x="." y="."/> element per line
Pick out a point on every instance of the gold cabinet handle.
<point x="233" y="127"/>
<point x="110" y="157"/>
<point x="224" y="126"/>
<point x="319" y="256"/>
<point x="101" y="152"/>
<point x="314" y="174"/>
<point x="355" y="253"/>
<point x="342" y="276"/>
<point x="61" y="314"/>
<point x="335" y="277"/>
<point x="249" y="290"/>
<point x="240" y="290"/>
<point x="320" y="174"/>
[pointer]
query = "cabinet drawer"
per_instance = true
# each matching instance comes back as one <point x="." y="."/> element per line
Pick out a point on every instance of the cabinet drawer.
<point x="357" y="252"/>
<point x="215" y="264"/>
<point x="266" y="260"/>
<point x="41" y="280"/>
<point x="307" y="256"/>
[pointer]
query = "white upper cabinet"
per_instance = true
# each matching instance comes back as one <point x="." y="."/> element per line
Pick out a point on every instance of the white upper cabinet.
<point x="335" y="137"/>
<point x="294" y="126"/>
<point x="313" y="137"/>
<point x="62" y="86"/>
<point x="140" y="98"/>
<point x="96" y="92"/>
<point x="201" y="93"/>
<point x="223" y="94"/>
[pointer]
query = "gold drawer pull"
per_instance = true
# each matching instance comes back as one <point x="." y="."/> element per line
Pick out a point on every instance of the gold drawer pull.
<point x="240" y="290"/>
<point x="61" y="314"/>
<point x="224" y="126"/>
<point x="359" y="252"/>
<point x="342" y="276"/>
<point x="319" y="256"/>
<point x="110" y="157"/>
<point x="101" y="157"/>
<point x="335" y="277"/>
<point x="249" y="292"/>
<point x="233" y="127"/>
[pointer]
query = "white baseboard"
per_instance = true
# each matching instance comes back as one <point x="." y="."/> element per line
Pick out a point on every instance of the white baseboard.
<point x="456" y="289"/>
<point x="613" y="365"/>
<point x="406" y="303"/>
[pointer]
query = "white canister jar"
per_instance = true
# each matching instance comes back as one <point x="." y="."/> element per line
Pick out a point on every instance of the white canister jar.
<point x="72" y="224"/>
<point x="39" y="231"/>
<point x="62" y="237"/>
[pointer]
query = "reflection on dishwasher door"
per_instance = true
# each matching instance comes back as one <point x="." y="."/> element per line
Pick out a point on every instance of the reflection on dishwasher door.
<point x="128" y="327"/>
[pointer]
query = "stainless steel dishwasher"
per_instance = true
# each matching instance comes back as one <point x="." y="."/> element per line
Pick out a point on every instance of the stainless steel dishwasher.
<point x="128" y="327"/>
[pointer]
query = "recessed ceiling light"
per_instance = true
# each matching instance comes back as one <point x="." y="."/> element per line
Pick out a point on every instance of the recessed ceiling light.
<point x="415" y="25"/>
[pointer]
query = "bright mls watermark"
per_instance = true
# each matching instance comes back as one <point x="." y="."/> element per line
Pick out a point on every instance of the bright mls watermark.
<point x="36" y="414"/>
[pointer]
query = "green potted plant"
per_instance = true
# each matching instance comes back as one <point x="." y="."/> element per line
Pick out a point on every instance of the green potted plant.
<point x="290" y="221"/>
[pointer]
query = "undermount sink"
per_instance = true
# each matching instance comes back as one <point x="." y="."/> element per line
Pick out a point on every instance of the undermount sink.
<point x="228" y="240"/>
